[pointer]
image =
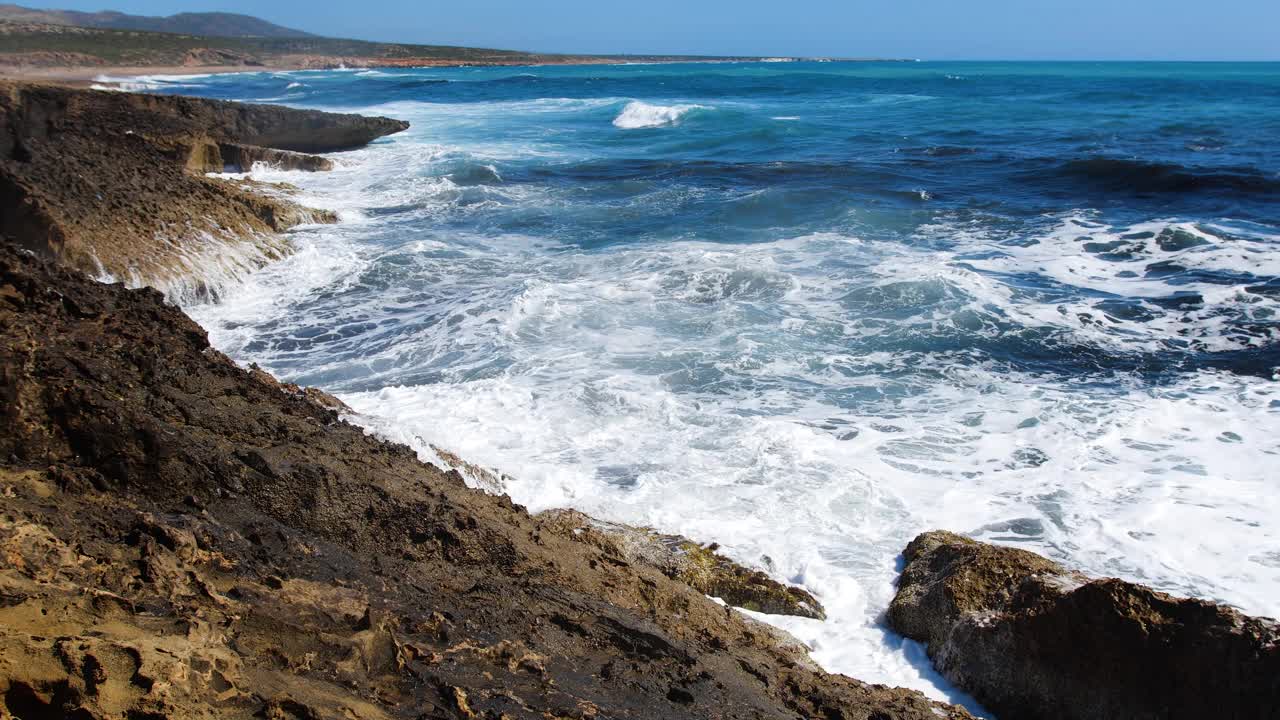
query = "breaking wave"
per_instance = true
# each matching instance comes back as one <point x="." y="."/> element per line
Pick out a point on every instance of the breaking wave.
<point x="638" y="115"/>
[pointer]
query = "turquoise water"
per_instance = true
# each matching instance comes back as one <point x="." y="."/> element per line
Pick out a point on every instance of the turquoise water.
<point x="808" y="310"/>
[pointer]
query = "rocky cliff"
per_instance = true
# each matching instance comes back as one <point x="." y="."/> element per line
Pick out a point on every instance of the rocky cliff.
<point x="113" y="183"/>
<point x="1032" y="640"/>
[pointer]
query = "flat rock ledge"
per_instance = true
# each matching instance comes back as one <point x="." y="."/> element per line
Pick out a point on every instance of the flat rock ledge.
<point x="114" y="184"/>
<point x="695" y="564"/>
<point x="1032" y="640"/>
<point x="183" y="538"/>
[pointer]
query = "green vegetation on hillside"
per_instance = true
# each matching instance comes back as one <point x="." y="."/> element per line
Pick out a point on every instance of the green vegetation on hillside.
<point x="128" y="47"/>
<point x="217" y="24"/>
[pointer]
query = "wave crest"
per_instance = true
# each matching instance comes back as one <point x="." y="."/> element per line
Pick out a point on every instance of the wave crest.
<point x="639" y="114"/>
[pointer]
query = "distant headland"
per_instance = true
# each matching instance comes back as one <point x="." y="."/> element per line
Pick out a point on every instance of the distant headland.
<point x="74" y="47"/>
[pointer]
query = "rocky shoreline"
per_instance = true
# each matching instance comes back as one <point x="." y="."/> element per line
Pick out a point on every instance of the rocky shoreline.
<point x="186" y="538"/>
<point x="115" y="184"/>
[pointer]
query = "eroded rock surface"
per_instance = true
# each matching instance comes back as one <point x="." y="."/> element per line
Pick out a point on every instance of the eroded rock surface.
<point x="1030" y="639"/>
<point x="113" y="183"/>
<point x="697" y="565"/>
<point x="183" y="538"/>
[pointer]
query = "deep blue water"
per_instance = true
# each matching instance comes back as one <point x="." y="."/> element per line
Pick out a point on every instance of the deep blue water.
<point x="809" y="309"/>
<point x="876" y="151"/>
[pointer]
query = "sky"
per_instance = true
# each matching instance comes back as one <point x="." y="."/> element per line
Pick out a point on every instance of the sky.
<point x="926" y="29"/>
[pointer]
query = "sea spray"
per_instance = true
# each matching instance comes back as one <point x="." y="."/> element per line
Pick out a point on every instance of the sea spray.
<point x="810" y="340"/>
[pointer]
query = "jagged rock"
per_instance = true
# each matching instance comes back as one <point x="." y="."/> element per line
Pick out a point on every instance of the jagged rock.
<point x="242" y="158"/>
<point x="39" y="110"/>
<point x="694" y="564"/>
<point x="697" y="565"/>
<point x="205" y="155"/>
<point x="113" y="184"/>
<point x="1030" y="639"/>
<point x="314" y="395"/>
<point x="182" y="538"/>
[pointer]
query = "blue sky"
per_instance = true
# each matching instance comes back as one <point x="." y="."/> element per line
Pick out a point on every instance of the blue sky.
<point x="929" y="29"/>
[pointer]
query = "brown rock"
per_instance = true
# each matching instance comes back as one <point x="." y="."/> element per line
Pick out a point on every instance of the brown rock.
<point x="57" y="108"/>
<point x="113" y="183"/>
<point x="242" y="158"/>
<point x="697" y="565"/>
<point x="1030" y="639"/>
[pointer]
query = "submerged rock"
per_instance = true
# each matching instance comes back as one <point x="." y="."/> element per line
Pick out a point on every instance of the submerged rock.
<point x="1030" y="639"/>
<point x="694" y="564"/>
<point x="183" y="538"/>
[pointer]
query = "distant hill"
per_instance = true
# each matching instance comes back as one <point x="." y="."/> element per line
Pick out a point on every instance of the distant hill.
<point x="208" y="24"/>
<point x="36" y="44"/>
<point x="32" y="38"/>
<point x="28" y="43"/>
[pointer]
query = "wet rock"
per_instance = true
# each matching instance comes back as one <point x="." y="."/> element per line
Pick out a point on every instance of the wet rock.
<point x="489" y="480"/>
<point x="1031" y="639"/>
<point x="694" y="564"/>
<point x="1175" y="239"/>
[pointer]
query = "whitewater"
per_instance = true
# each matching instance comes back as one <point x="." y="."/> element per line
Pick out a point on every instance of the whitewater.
<point x="807" y="311"/>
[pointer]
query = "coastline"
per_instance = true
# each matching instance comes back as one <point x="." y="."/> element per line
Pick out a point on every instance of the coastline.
<point x="458" y="697"/>
<point x="209" y="541"/>
<point x="84" y="76"/>
<point x="87" y="76"/>
<point x="169" y="216"/>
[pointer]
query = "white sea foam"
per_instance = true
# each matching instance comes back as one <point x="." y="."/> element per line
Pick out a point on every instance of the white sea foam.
<point x="143" y="83"/>
<point x="203" y="266"/>
<point x="639" y="114"/>
<point x="767" y="396"/>
<point x="600" y="408"/>
<point x="1142" y="264"/>
<point x="1107" y="483"/>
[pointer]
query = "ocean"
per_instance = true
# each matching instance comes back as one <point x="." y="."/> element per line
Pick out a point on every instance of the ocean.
<point x="808" y="310"/>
